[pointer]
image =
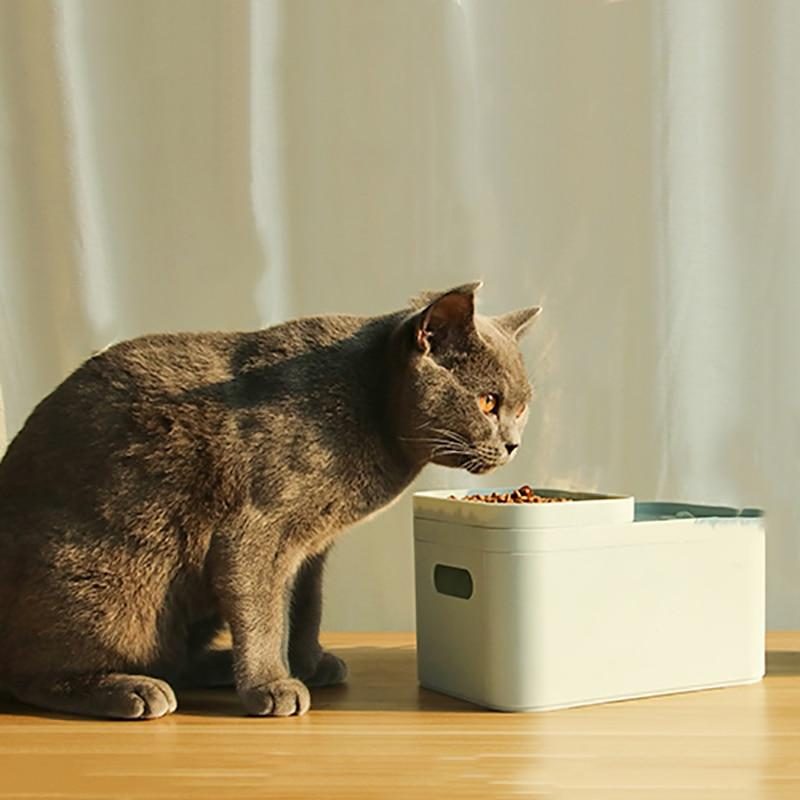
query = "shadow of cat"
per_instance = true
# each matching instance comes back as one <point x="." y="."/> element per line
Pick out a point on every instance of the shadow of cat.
<point x="381" y="679"/>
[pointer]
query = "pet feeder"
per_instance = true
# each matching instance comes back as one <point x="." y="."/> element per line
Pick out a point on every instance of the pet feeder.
<point x="543" y="606"/>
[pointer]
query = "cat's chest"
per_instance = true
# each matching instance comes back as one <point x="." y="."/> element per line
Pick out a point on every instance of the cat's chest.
<point x="363" y="493"/>
<point x="313" y="514"/>
<point x="338" y="517"/>
<point x="322" y="490"/>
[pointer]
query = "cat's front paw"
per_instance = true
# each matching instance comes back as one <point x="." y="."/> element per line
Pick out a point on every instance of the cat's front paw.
<point x="330" y="671"/>
<point x="320" y="668"/>
<point x="283" y="697"/>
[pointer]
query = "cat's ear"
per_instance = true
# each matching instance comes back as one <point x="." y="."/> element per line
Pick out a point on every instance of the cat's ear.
<point x="446" y="319"/>
<point x="518" y="322"/>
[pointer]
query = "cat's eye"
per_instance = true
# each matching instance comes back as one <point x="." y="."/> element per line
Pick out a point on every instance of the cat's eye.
<point x="488" y="403"/>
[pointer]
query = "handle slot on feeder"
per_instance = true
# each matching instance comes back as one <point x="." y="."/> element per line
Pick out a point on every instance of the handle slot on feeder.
<point x="452" y="581"/>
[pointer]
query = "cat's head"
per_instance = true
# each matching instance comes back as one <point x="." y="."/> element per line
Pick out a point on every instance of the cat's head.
<point x="465" y="395"/>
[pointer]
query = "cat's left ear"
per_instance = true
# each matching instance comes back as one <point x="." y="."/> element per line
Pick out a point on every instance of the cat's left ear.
<point x="447" y="320"/>
<point x="518" y="322"/>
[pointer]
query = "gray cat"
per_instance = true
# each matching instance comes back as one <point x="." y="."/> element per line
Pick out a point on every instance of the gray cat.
<point x="175" y="483"/>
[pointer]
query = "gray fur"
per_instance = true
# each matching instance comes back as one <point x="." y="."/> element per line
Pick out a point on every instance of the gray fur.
<point x="178" y="482"/>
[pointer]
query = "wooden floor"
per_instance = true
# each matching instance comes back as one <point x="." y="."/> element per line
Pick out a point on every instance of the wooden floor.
<point x="382" y="736"/>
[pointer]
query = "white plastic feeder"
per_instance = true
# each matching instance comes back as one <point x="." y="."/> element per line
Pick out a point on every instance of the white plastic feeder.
<point x="542" y="606"/>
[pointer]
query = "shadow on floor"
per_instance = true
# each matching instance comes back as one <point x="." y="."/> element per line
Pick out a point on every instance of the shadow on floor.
<point x="380" y="679"/>
<point x="783" y="662"/>
<point x="12" y="707"/>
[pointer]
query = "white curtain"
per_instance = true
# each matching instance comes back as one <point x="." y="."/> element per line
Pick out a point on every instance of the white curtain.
<point x="633" y="166"/>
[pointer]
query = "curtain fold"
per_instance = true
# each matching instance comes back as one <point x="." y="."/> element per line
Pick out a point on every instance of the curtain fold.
<point x="632" y="166"/>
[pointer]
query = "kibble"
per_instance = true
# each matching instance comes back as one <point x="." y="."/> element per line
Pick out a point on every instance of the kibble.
<point x="525" y="494"/>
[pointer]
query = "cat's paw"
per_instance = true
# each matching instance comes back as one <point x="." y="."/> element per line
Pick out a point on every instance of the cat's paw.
<point x="329" y="671"/>
<point x="283" y="697"/>
<point x="317" y="667"/>
<point x="115" y="696"/>
<point x="142" y="697"/>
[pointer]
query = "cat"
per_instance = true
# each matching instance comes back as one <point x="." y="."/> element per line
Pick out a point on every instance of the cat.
<point x="175" y="483"/>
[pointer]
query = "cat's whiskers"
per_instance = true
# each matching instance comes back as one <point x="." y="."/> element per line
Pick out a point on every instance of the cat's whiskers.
<point x="440" y="447"/>
<point x="437" y="440"/>
<point x="446" y="442"/>
<point x="473" y="463"/>
<point x="433" y="441"/>
<point x="443" y="432"/>
<point x="450" y="434"/>
<point x="448" y="452"/>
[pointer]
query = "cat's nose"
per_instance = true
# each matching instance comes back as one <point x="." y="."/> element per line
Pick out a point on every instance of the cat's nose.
<point x="510" y="448"/>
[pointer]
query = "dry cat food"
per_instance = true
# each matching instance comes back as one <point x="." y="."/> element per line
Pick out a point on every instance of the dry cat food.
<point x="522" y="495"/>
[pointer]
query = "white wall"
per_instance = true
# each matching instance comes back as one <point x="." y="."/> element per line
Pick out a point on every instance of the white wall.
<point x="629" y="165"/>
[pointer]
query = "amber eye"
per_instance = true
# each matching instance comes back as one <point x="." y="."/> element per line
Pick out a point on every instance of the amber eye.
<point x="521" y="410"/>
<point x="488" y="403"/>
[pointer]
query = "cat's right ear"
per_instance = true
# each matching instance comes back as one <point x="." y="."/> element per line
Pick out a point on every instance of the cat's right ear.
<point x="447" y="319"/>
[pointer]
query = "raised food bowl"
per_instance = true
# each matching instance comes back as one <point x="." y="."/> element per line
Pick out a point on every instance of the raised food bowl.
<point x="542" y="606"/>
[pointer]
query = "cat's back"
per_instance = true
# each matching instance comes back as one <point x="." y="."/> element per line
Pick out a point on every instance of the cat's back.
<point x="296" y="338"/>
<point x="153" y="384"/>
<point x="163" y="395"/>
<point x="101" y="410"/>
